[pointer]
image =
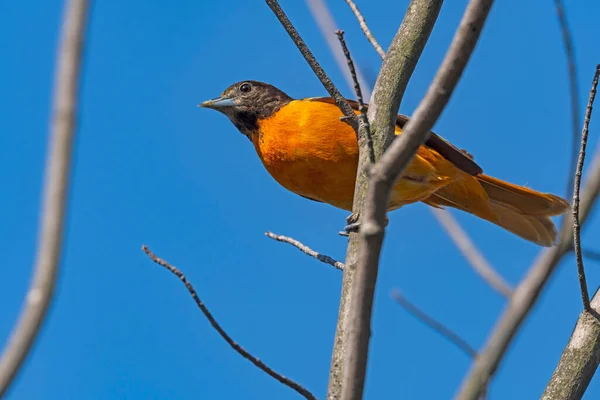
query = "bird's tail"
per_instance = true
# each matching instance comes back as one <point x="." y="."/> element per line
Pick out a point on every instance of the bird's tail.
<point x="520" y="210"/>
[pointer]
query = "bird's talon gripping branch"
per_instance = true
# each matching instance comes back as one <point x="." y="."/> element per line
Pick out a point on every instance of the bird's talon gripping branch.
<point x="352" y="218"/>
<point x="352" y="224"/>
<point x="353" y="227"/>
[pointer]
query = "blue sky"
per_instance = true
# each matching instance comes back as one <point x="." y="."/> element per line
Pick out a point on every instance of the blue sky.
<point x="152" y="168"/>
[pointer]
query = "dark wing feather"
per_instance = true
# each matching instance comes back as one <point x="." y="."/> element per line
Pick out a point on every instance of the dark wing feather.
<point x="461" y="158"/>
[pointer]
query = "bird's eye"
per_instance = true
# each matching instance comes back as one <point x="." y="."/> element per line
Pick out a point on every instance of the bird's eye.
<point x="245" y="87"/>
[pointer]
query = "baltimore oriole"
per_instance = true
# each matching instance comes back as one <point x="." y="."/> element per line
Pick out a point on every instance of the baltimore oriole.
<point x="309" y="151"/>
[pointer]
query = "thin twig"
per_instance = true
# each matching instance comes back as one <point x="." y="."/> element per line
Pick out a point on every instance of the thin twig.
<point x="56" y="185"/>
<point x="234" y="345"/>
<point x="307" y="250"/>
<point x="471" y="252"/>
<point x="526" y="294"/>
<point x="585" y="296"/>
<point x="573" y="86"/>
<point x="384" y="175"/>
<point x="363" y="121"/>
<point x="365" y="29"/>
<point x="327" y="24"/>
<point x="357" y="89"/>
<point x="579" y="360"/>
<point x="340" y="101"/>
<point x="431" y="322"/>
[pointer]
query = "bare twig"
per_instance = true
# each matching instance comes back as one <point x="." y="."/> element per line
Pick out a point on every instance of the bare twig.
<point x="340" y="101"/>
<point x="234" y="345"/>
<point x="363" y="122"/>
<point x="437" y="326"/>
<point x="307" y="250"/>
<point x="384" y="175"/>
<point x="579" y="360"/>
<point x="56" y="185"/>
<point x="327" y="25"/>
<point x="573" y="86"/>
<point x="577" y="184"/>
<point x="471" y="253"/>
<point x="353" y="76"/>
<point x="365" y="29"/>
<point x="526" y="295"/>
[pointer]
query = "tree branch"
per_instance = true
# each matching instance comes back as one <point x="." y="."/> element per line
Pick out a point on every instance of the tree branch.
<point x="579" y="360"/>
<point x="526" y="294"/>
<point x="460" y="238"/>
<point x="56" y="185"/>
<point x="390" y="166"/>
<point x="573" y="86"/>
<point x="234" y="345"/>
<point x="431" y="322"/>
<point x="364" y="129"/>
<point x="576" y="228"/>
<point x="365" y="28"/>
<point x="471" y="253"/>
<point x="306" y="250"/>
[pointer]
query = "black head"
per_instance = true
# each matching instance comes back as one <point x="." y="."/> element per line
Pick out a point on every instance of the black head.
<point x="247" y="102"/>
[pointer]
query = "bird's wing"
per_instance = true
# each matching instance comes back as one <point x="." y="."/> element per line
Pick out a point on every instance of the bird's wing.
<point x="461" y="158"/>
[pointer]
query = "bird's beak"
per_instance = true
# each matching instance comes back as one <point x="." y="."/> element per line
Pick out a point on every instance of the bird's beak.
<point x="217" y="103"/>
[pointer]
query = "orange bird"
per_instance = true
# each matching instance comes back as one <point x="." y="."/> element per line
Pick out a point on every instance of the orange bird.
<point x="309" y="151"/>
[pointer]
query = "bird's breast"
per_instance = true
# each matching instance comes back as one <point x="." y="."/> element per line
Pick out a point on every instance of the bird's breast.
<point x="309" y="151"/>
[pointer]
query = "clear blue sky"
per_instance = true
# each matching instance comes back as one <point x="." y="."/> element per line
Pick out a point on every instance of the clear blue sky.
<point x="152" y="168"/>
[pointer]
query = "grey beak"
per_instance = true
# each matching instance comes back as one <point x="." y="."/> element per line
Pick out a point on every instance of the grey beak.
<point x="217" y="103"/>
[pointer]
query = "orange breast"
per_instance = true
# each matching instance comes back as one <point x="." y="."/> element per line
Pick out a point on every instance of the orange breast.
<point x="309" y="151"/>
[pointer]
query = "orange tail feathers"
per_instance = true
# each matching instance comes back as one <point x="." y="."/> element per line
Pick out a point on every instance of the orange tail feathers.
<point x="520" y="210"/>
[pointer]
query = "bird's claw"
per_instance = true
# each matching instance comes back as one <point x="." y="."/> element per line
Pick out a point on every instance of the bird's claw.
<point x="352" y="225"/>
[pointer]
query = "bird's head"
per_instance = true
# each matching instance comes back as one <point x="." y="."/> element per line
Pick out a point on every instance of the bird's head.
<point x="248" y="102"/>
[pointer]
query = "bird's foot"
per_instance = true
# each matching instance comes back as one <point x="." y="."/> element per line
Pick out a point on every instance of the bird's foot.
<point x="352" y="224"/>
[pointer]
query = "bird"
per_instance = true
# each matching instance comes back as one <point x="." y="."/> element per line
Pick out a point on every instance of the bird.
<point x="306" y="147"/>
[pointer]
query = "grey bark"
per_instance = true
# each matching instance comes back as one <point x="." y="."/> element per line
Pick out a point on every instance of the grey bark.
<point x="398" y="65"/>
<point x="579" y="360"/>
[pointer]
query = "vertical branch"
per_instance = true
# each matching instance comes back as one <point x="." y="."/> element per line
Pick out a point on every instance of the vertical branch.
<point x="400" y="62"/>
<point x="460" y="238"/>
<point x="577" y="183"/>
<point x="386" y="172"/>
<point x="402" y="57"/>
<point x="364" y="130"/>
<point x="58" y="166"/>
<point x="573" y="87"/>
